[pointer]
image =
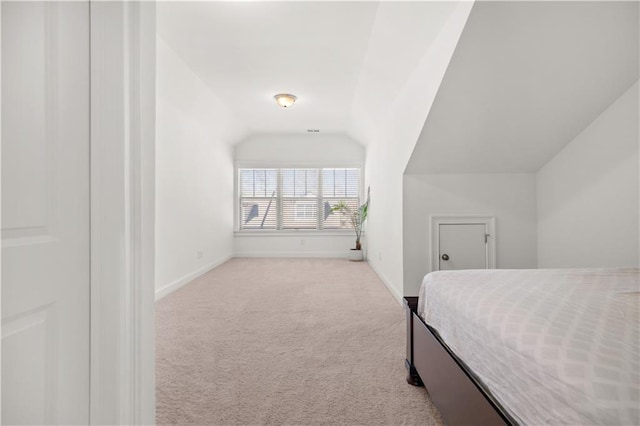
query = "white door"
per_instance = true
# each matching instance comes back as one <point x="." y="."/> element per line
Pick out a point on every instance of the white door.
<point x="45" y="213"/>
<point x="463" y="246"/>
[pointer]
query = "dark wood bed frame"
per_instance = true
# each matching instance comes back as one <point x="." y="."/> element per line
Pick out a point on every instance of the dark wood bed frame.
<point x="460" y="396"/>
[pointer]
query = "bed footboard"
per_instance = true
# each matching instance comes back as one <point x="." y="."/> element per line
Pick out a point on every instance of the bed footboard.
<point x="458" y="394"/>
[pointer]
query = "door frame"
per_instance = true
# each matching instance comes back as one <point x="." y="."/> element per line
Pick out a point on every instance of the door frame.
<point x="122" y="360"/>
<point x="0" y="202"/>
<point x="122" y="212"/>
<point x="451" y="219"/>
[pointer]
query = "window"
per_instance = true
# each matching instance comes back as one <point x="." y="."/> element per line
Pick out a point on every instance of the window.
<point x="296" y="198"/>
<point x="258" y="191"/>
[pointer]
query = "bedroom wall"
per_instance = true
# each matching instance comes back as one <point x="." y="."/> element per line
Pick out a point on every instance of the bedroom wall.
<point x="510" y="198"/>
<point x="588" y="194"/>
<point x="194" y="175"/>
<point x="288" y="150"/>
<point x="299" y="150"/>
<point x="390" y="141"/>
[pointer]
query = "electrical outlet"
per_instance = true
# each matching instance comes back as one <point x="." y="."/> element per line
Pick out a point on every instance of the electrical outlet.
<point x="199" y="254"/>
<point x="380" y="256"/>
<point x="302" y="242"/>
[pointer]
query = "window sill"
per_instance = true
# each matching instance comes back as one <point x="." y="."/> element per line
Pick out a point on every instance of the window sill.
<point x="295" y="233"/>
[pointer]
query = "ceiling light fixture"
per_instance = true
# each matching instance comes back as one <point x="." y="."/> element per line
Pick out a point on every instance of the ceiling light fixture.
<point x="285" y="100"/>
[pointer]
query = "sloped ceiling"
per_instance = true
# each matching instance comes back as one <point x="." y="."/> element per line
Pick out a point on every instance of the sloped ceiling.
<point x="525" y="79"/>
<point x="342" y="59"/>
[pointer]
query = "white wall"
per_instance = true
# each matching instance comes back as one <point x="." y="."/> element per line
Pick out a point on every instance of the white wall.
<point x="287" y="150"/>
<point x="194" y="174"/>
<point x="588" y="194"/>
<point x="294" y="244"/>
<point x="390" y="142"/>
<point x="510" y="198"/>
<point x="299" y="150"/>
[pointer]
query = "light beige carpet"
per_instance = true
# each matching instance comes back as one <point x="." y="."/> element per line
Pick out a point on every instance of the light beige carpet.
<point x="285" y="341"/>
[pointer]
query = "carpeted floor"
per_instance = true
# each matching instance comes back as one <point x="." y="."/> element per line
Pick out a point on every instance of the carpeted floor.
<point x="285" y="341"/>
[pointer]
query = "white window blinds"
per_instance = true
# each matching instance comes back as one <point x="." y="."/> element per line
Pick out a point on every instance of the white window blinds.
<point x="340" y="185"/>
<point x="296" y="198"/>
<point x="258" y="194"/>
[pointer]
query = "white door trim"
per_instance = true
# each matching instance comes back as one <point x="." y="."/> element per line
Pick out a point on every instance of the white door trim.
<point x="122" y="212"/>
<point x="0" y="202"/>
<point x="437" y="220"/>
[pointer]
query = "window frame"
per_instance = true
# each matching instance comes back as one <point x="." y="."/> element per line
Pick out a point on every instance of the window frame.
<point x="298" y="165"/>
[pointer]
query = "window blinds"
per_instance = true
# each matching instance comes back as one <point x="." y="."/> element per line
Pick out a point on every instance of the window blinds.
<point x="258" y="195"/>
<point x="296" y="198"/>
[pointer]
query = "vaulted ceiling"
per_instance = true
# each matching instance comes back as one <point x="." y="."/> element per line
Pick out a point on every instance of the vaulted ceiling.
<point x="525" y="79"/>
<point x="331" y="55"/>
<point x="526" y="76"/>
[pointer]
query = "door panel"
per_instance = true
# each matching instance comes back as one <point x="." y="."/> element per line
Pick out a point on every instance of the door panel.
<point x="45" y="212"/>
<point x="464" y="245"/>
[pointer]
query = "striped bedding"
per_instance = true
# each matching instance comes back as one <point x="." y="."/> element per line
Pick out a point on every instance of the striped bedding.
<point x="554" y="346"/>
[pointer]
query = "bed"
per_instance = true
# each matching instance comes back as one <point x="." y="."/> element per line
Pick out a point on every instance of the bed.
<point x="545" y="346"/>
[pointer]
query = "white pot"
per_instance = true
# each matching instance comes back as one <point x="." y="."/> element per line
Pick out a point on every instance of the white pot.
<point x="355" y="255"/>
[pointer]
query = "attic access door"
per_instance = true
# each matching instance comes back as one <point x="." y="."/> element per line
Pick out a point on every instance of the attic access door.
<point x="462" y="242"/>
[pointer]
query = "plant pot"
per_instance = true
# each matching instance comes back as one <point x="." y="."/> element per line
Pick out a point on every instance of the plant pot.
<point x="355" y="255"/>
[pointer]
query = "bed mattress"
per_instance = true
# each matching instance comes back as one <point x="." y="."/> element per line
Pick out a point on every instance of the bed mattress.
<point x="554" y="346"/>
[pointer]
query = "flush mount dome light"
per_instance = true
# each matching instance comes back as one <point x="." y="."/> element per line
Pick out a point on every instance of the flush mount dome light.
<point x="285" y="100"/>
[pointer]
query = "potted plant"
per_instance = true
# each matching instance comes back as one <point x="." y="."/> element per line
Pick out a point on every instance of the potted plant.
<point x="356" y="218"/>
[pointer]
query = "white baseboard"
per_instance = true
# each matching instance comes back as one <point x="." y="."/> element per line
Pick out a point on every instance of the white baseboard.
<point x="171" y="287"/>
<point x="394" y="292"/>
<point x="331" y="254"/>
